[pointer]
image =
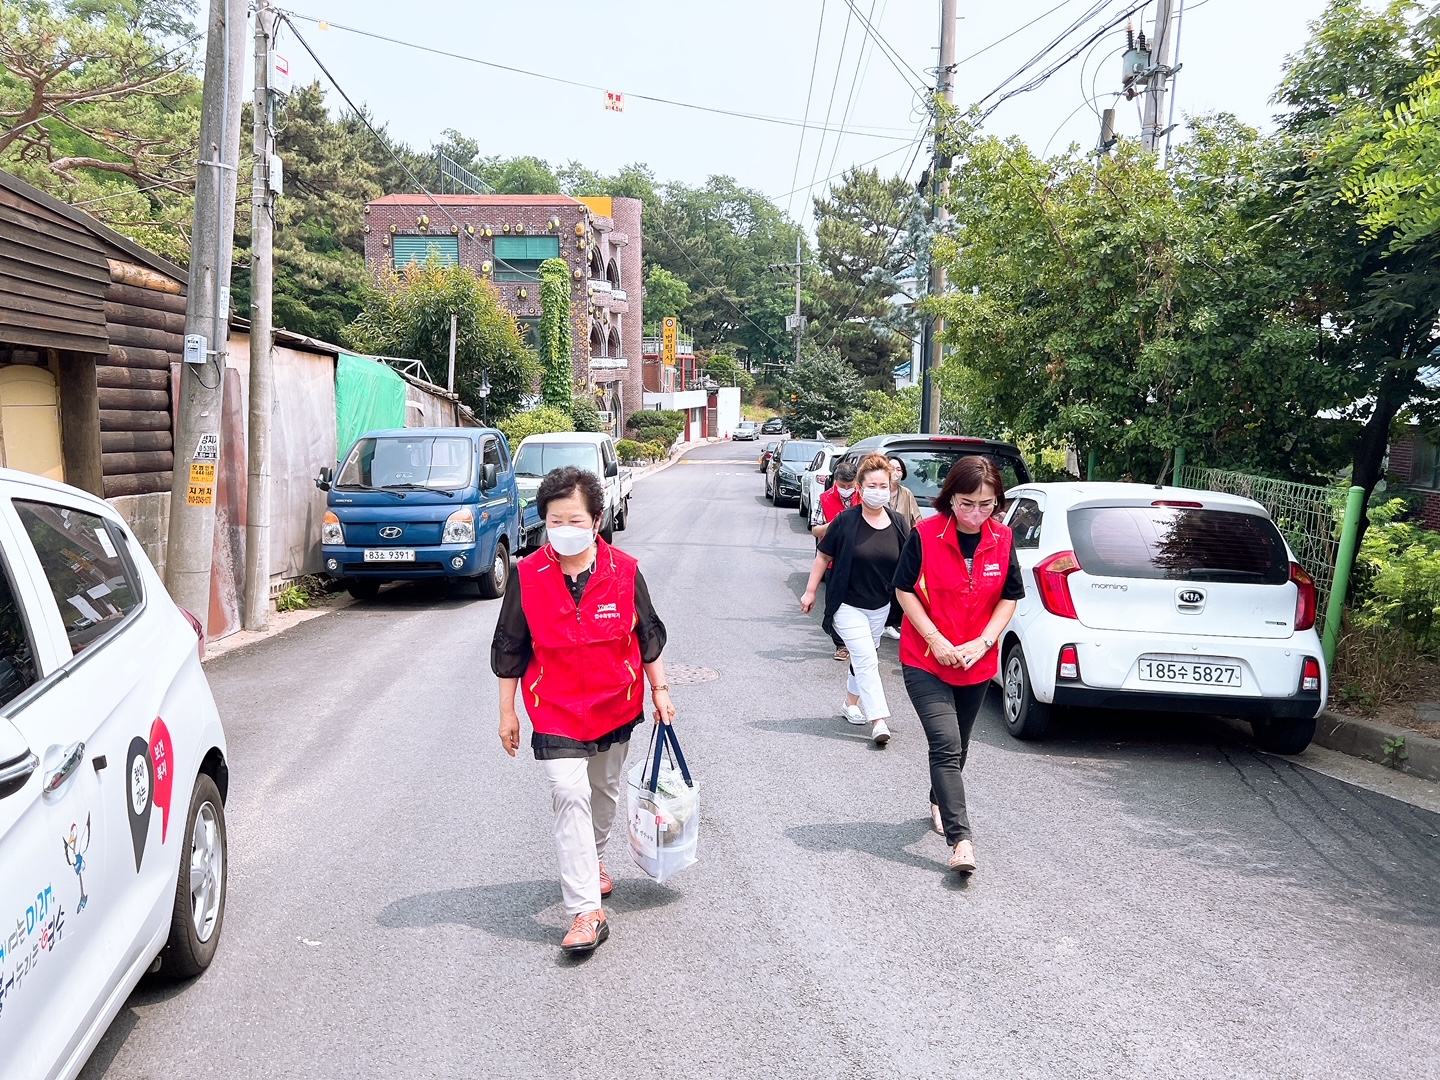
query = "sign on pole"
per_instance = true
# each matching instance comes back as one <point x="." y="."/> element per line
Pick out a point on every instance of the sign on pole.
<point x="614" y="101"/>
<point x="280" y="80"/>
<point x="669" y="335"/>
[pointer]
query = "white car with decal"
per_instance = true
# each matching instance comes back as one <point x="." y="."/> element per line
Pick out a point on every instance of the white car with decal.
<point x="112" y="778"/>
<point x="1159" y="599"/>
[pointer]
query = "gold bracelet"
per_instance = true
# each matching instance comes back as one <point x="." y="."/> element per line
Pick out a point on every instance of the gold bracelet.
<point x="662" y="686"/>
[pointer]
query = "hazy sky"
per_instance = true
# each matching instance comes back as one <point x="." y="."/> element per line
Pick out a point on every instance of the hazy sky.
<point x="755" y="56"/>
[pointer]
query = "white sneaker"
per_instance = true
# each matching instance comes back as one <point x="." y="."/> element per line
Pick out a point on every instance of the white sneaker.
<point x="892" y="633"/>
<point x="854" y="715"/>
<point x="880" y="732"/>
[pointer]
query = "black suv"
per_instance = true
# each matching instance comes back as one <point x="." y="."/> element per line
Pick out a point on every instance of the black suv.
<point x="774" y="426"/>
<point x="928" y="459"/>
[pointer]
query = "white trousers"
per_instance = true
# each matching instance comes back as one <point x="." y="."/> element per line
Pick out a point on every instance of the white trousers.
<point x="861" y="631"/>
<point x="584" y="793"/>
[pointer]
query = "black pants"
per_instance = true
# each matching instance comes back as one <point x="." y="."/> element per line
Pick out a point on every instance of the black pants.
<point x="947" y="713"/>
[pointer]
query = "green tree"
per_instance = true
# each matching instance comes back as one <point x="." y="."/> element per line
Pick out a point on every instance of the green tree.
<point x="557" y="379"/>
<point x="542" y="420"/>
<point x="99" y="106"/>
<point x="665" y="295"/>
<point x="585" y="412"/>
<point x="887" y="414"/>
<point x="822" y="393"/>
<point x="862" y="253"/>
<point x="407" y="314"/>
<point x="726" y="371"/>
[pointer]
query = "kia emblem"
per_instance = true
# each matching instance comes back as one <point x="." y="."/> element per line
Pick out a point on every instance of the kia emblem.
<point x="391" y="532"/>
<point x="1191" y="596"/>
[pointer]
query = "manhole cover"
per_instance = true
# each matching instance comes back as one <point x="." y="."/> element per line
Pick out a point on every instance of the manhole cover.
<point x="689" y="674"/>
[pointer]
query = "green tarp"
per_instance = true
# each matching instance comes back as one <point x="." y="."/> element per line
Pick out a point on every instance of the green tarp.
<point x="368" y="396"/>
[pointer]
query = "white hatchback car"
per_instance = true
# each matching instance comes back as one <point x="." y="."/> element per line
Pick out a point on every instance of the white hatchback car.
<point x="112" y="778"/>
<point x="1164" y="599"/>
<point x="815" y="478"/>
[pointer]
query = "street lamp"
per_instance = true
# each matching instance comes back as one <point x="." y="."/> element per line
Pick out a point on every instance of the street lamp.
<point x="484" y="393"/>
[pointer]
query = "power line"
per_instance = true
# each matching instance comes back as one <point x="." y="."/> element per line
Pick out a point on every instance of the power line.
<point x="814" y="64"/>
<point x="760" y="117"/>
<point x="855" y="80"/>
<point x="1007" y="37"/>
<point x="918" y="139"/>
<point x="891" y="53"/>
<point x="834" y="85"/>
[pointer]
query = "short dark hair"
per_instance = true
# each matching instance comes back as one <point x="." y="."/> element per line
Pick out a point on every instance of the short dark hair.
<point x="904" y="471"/>
<point x="562" y="483"/>
<point x="844" y="471"/>
<point x="967" y="476"/>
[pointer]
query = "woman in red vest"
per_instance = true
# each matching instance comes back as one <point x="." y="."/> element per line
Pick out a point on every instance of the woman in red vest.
<point x="578" y="636"/>
<point x="958" y="581"/>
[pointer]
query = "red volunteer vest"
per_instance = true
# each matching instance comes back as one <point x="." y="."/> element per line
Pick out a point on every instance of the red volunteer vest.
<point x="831" y="505"/>
<point x="959" y="602"/>
<point x="584" y="679"/>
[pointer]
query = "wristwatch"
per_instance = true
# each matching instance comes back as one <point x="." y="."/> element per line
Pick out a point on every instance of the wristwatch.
<point x="988" y="643"/>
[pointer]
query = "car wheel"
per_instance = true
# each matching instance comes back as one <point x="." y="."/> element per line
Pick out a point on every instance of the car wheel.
<point x="492" y="583"/>
<point x="1025" y="717"/>
<point x="1283" y="735"/>
<point x="199" y="912"/>
<point x="769" y="491"/>
<point x="800" y="507"/>
<point x="622" y="519"/>
<point x="362" y="588"/>
<point x="607" y="530"/>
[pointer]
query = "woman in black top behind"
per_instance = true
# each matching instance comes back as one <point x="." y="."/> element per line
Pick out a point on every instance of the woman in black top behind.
<point x="864" y="543"/>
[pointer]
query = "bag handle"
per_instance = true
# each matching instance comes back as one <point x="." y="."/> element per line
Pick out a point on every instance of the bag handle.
<point x="662" y="736"/>
<point x="658" y="743"/>
<point x="668" y="732"/>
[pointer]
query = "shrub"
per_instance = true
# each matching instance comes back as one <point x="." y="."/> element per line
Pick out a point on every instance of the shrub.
<point x="539" y="421"/>
<point x="657" y="424"/>
<point x="1397" y="580"/>
<point x="656" y="451"/>
<point x="586" y="413"/>
<point x="630" y="451"/>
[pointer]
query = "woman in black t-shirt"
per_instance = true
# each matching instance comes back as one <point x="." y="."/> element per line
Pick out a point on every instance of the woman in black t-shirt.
<point x="864" y="544"/>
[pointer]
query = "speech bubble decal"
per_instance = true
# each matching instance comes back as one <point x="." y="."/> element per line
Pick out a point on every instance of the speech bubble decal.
<point x="139" y="788"/>
<point x="163" y="768"/>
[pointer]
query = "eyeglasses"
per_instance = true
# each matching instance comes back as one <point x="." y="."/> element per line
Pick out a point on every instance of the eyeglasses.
<point x="968" y="507"/>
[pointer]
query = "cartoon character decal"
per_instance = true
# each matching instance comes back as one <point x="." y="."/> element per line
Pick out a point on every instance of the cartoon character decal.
<point x="75" y="848"/>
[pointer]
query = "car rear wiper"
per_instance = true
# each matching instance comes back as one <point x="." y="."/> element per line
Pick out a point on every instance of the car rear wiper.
<point x="1216" y="573"/>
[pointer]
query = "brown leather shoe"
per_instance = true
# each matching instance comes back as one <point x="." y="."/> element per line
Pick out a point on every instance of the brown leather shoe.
<point x="842" y="653"/>
<point x="588" y="930"/>
<point x="962" y="859"/>
<point x="607" y="884"/>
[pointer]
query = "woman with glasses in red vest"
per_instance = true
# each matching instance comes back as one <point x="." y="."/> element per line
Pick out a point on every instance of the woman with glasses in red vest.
<point x="577" y="636"/>
<point x="957" y="581"/>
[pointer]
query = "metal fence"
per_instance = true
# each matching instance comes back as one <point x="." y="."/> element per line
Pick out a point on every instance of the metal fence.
<point x="1308" y="516"/>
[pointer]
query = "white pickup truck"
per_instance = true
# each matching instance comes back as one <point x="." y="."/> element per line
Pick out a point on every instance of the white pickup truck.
<point x="593" y="451"/>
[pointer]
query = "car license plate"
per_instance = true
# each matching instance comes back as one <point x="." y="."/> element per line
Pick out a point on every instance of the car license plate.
<point x="1191" y="672"/>
<point x="389" y="554"/>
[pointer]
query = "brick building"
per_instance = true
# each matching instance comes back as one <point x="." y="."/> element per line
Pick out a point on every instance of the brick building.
<point x="1415" y="461"/>
<point x="506" y="237"/>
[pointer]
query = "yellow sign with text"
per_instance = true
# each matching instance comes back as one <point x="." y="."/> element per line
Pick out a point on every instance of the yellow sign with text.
<point x="200" y="495"/>
<point x="202" y="472"/>
<point x="669" y="336"/>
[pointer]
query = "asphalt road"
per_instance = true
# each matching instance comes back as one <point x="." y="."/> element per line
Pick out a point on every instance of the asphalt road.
<point x="1155" y="898"/>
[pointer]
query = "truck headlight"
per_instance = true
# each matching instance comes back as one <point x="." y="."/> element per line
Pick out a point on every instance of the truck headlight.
<point x="331" y="531"/>
<point x="459" y="527"/>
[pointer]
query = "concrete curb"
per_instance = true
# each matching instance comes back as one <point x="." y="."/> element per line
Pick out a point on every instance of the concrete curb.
<point x="1364" y="739"/>
<point x="676" y="453"/>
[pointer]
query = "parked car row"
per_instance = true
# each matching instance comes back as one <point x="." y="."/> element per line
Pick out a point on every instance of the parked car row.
<point x="1137" y="597"/>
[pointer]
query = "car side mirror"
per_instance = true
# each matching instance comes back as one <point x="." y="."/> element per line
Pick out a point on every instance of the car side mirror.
<point x="324" y="479"/>
<point x="489" y="475"/>
<point x="612" y="469"/>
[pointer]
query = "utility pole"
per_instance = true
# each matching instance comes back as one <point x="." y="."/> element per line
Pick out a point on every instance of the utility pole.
<point x="191" y="543"/>
<point x="932" y="348"/>
<point x="1152" y="130"/>
<point x="794" y="323"/>
<point x="262" y="368"/>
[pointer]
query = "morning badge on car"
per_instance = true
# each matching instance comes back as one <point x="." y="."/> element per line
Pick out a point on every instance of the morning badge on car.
<point x="138" y="790"/>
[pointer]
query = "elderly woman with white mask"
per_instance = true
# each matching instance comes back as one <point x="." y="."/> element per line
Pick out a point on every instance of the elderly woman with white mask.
<point x="864" y="544"/>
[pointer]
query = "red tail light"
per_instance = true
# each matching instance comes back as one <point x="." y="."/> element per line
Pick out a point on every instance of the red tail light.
<point x="1310" y="676"/>
<point x="1069" y="663"/>
<point x="1179" y="502"/>
<point x="1304" y="599"/>
<point x="1052" y="578"/>
<point x="197" y="627"/>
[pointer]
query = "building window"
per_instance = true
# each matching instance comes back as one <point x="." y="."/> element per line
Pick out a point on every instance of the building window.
<point x="1427" y="465"/>
<point x="530" y="332"/>
<point x="518" y="258"/>
<point x="408" y="249"/>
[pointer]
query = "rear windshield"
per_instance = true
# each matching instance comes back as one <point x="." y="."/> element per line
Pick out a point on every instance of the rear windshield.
<point x="539" y="458"/>
<point x="1178" y="543"/>
<point x="796" y="450"/>
<point x="926" y="469"/>
<point x="405" y="462"/>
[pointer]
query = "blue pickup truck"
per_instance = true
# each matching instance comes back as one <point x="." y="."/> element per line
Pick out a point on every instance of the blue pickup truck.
<point x="418" y="503"/>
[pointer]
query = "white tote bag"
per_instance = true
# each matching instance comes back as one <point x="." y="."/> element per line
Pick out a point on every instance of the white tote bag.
<point x="663" y="803"/>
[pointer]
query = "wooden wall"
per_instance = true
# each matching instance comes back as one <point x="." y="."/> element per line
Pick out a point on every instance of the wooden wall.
<point x="145" y="322"/>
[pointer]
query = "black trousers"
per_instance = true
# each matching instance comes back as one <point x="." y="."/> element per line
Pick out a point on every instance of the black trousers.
<point x="947" y="713"/>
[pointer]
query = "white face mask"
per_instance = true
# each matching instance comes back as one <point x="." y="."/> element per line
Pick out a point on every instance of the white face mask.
<point x="845" y="492"/>
<point x="570" y="539"/>
<point x="875" y="498"/>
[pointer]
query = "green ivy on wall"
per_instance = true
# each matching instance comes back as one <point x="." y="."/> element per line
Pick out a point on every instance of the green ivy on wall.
<point x="557" y="379"/>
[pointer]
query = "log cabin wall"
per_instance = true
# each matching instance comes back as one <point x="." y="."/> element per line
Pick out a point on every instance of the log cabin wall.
<point x="145" y="323"/>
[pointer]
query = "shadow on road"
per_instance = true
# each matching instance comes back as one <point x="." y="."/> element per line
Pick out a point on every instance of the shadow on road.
<point x="152" y="991"/>
<point x="514" y="909"/>
<point x="826" y="727"/>
<point x="884" y="839"/>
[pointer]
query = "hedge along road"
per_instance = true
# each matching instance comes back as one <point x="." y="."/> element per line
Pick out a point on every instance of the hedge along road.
<point x="1154" y="897"/>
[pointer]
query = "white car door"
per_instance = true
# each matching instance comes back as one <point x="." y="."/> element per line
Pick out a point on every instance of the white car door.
<point x="1026" y="517"/>
<point x="55" y="962"/>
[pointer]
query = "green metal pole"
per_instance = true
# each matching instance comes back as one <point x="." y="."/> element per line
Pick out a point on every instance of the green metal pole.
<point x="1090" y="465"/>
<point x="1344" y="562"/>
<point x="1179" y="464"/>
